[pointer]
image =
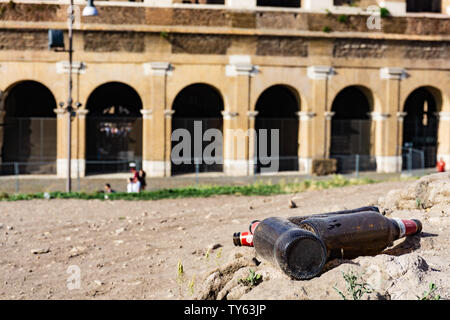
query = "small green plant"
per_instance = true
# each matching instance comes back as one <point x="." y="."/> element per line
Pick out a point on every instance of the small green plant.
<point x="252" y="280"/>
<point x="326" y="29"/>
<point x="430" y="294"/>
<point x="164" y="35"/>
<point x="384" y="12"/>
<point x="356" y="287"/>
<point x="343" y="18"/>
<point x="180" y="277"/>
<point x="419" y="204"/>
<point x="191" y="286"/>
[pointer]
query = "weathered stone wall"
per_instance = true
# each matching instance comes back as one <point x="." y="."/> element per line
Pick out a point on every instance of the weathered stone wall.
<point x="189" y="17"/>
<point x="199" y="43"/>
<point x="282" y="46"/>
<point x="23" y="40"/>
<point x="108" y="41"/>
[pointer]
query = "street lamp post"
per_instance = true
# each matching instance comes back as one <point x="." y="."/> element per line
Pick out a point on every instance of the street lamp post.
<point x="88" y="11"/>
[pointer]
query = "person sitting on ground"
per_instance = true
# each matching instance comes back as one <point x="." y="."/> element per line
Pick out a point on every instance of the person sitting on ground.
<point x="133" y="185"/>
<point x="141" y="178"/>
<point x="108" y="188"/>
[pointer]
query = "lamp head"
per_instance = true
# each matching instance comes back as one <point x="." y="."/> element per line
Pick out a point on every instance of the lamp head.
<point x="90" y="10"/>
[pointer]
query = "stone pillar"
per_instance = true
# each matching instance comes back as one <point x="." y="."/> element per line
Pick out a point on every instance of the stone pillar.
<point x="78" y="143"/>
<point x="241" y="4"/>
<point x="314" y="134"/>
<point x="160" y="2"/>
<point x="157" y="126"/>
<point x="388" y="123"/>
<point x="317" y="5"/>
<point x="306" y="146"/>
<point x="235" y="120"/>
<point x="444" y="139"/>
<point x="253" y="136"/>
<point x="394" y="6"/>
<point x="2" y="119"/>
<point x="328" y="117"/>
<point x="445" y="7"/>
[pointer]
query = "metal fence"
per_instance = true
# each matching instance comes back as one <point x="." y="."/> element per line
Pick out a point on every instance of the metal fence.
<point x="112" y="143"/>
<point x="412" y="159"/>
<point x="30" y="143"/>
<point x="351" y="137"/>
<point x="355" y="163"/>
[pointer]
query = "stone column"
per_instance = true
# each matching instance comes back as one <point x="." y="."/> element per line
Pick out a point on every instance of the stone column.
<point x="388" y="128"/>
<point x="253" y="140"/>
<point x="235" y="119"/>
<point x="327" y="145"/>
<point x="445" y="7"/>
<point x="394" y="6"/>
<point x="160" y="2"/>
<point x="241" y="4"/>
<point x="2" y="119"/>
<point x="313" y="125"/>
<point x="317" y="5"/>
<point x="444" y="139"/>
<point x="306" y="146"/>
<point x="156" y="125"/>
<point x="79" y="158"/>
<point x="78" y="143"/>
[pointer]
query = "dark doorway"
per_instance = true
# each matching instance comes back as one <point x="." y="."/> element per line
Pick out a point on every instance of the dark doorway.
<point x="198" y="108"/>
<point x="420" y="127"/>
<point x="277" y="110"/>
<point x="29" y="130"/>
<point x="423" y="6"/>
<point x="351" y="129"/>
<point x="279" y="3"/>
<point x="114" y="129"/>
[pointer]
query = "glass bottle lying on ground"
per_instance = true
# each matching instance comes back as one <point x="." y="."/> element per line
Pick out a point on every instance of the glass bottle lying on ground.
<point x="301" y="246"/>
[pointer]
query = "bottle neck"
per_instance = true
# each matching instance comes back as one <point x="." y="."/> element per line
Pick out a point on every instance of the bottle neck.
<point x="407" y="227"/>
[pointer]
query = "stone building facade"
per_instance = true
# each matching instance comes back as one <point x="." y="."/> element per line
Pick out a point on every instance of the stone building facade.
<point x="238" y="53"/>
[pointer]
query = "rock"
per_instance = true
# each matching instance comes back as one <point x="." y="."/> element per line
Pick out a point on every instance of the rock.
<point x="76" y="251"/>
<point x="9" y="227"/>
<point x="425" y="193"/>
<point x="98" y="282"/>
<point x="292" y="204"/>
<point x="120" y="230"/>
<point x="40" y="251"/>
<point x="215" y="246"/>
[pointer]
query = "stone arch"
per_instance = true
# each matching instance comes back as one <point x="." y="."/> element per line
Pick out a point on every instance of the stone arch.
<point x="29" y="130"/>
<point x="421" y="126"/>
<point x="278" y="107"/>
<point x="113" y="128"/>
<point x="352" y="135"/>
<point x="198" y="111"/>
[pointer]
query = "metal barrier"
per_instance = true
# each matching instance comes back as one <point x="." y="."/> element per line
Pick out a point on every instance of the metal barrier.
<point x="412" y="159"/>
<point x="355" y="163"/>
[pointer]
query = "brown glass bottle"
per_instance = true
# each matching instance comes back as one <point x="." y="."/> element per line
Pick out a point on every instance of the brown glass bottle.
<point x="297" y="252"/>
<point x="358" y="234"/>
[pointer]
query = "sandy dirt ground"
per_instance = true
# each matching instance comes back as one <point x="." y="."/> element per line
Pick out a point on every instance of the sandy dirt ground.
<point x="130" y="250"/>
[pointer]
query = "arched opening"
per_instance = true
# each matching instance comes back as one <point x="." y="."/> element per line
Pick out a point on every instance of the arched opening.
<point x="351" y="124"/>
<point x="29" y="129"/>
<point x="279" y="3"/>
<point x="113" y="129"/>
<point x="197" y="126"/>
<point x="423" y="6"/>
<point x="277" y="110"/>
<point x="420" y="128"/>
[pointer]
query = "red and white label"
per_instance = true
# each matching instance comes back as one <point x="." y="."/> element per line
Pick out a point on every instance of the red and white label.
<point x="246" y="239"/>
<point x="407" y="227"/>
